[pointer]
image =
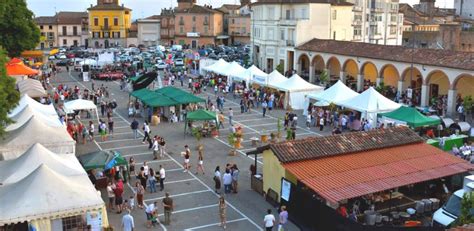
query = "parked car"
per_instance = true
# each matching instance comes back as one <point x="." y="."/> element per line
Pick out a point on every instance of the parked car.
<point x="179" y="62"/>
<point x="161" y="65"/>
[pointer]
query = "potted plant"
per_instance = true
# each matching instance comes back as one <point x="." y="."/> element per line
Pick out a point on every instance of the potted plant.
<point x="238" y="140"/>
<point x="272" y="137"/>
<point x="214" y="132"/>
<point x="198" y="135"/>
<point x="324" y="77"/>
<point x="231" y="140"/>
<point x="289" y="134"/>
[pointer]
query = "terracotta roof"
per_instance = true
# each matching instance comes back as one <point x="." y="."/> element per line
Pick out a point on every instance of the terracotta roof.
<point x="342" y="177"/>
<point x="65" y="17"/>
<point x="154" y="17"/>
<point x="433" y="57"/>
<point x="197" y="9"/>
<point x="45" y="20"/>
<point x="109" y="7"/>
<point x="318" y="147"/>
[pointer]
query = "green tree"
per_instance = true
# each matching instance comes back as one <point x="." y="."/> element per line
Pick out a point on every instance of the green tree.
<point x="18" y="31"/>
<point x="324" y="77"/>
<point x="279" y="68"/>
<point x="9" y="97"/>
<point x="467" y="204"/>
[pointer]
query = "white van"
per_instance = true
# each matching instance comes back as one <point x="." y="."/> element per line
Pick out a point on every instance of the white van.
<point x="450" y="211"/>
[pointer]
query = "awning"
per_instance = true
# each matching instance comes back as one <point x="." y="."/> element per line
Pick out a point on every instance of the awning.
<point x="101" y="160"/>
<point x="222" y="37"/>
<point x="353" y="175"/>
<point x="411" y="117"/>
<point x="32" y="54"/>
<point x="17" y="67"/>
<point x="54" y="51"/>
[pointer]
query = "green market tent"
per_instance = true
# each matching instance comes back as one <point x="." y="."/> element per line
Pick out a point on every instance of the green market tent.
<point x="101" y="159"/>
<point x="201" y="115"/>
<point x="167" y="96"/>
<point x="157" y="100"/>
<point x="183" y="97"/>
<point x="141" y="93"/>
<point x="411" y="116"/>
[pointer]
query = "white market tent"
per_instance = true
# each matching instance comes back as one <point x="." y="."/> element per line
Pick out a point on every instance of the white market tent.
<point x="44" y="195"/>
<point x="16" y="142"/>
<point x="33" y="91"/>
<point x="370" y="101"/>
<point x="275" y="77"/>
<point x="252" y="74"/>
<point x="218" y="66"/>
<point x="28" y="82"/>
<point x="28" y="101"/>
<point x="25" y="115"/>
<point x="80" y="104"/>
<point x="231" y="70"/>
<point x="335" y="94"/>
<point x="14" y="170"/>
<point x="296" y="89"/>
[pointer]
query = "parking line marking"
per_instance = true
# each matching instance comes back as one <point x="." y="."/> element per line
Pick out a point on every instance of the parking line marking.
<point x="112" y="141"/>
<point x="178" y="181"/>
<point x="252" y="119"/>
<point x="214" y="224"/>
<point x="178" y="195"/>
<point x="137" y="154"/>
<point x="191" y="209"/>
<point x="125" y="147"/>
<point x="258" y="125"/>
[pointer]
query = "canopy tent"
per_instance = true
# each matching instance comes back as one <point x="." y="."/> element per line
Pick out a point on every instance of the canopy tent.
<point x="252" y="74"/>
<point x="14" y="170"/>
<point x="296" y="88"/>
<point x="275" y="77"/>
<point x="166" y="96"/>
<point x="27" y="113"/>
<point x="232" y="69"/>
<point x="102" y="160"/>
<point x="16" y="67"/>
<point x="181" y="96"/>
<point x="412" y="117"/>
<point x="143" y="81"/>
<point x="17" y="141"/>
<point x="336" y="93"/>
<point x="217" y="67"/>
<point x="37" y="106"/>
<point x="32" y="88"/>
<point x="370" y="101"/>
<point x="47" y="194"/>
<point x="81" y="104"/>
<point x="201" y="115"/>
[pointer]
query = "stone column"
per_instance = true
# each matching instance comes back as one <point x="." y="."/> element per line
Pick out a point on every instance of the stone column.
<point x="298" y="68"/>
<point x="342" y="76"/>
<point x="360" y="82"/>
<point x="378" y="80"/>
<point x="451" y="102"/>
<point x="425" y="98"/>
<point x="400" y="86"/>
<point x="311" y="73"/>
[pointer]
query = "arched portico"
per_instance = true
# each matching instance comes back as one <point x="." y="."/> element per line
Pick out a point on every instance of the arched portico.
<point x="334" y="67"/>
<point x="389" y="75"/>
<point x="303" y="66"/>
<point x="317" y="67"/>
<point x="350" y="71"/>
<point x="369" y="75"/>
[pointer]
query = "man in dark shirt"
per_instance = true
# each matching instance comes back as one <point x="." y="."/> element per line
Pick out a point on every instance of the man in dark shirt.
<point x="168" y="207"/>
<point x="134" y="127"/>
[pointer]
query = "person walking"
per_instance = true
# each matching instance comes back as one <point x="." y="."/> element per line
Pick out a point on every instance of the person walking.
<point x="235" y="178"/>
<point x="321" y="123"/>
<point x="142" y="177"/>
<point x="168" y="208"/>
<point x="217" y="180"/>
<point x="222" y="212"/>
<point x="128" y="222"/>
<point x="200" y="162"/>
<point x="91" y="131"/>
<point x="131" y="165"/>
<point x="155" y="147"/>
<point x="227" y="180"/>
<point x="187" y="155"/>
<point x="152" y="180"/>
<point x="264" y="107"/>
<point x="150" y="211"/>
<point x="146" y="130"/>
<point x="111" y="195"/>
<point x="221" y="119"/>
<point x="269" y="220"/>
<point x="134" y="127"/>
<point x="103" y="130"/>
<point x="162" y="173"/>
<point x="140" y="191"/>
<point x="111" y="127"/>
<point x="162" y="144"/>
<point x="118" y="190"/>
<point x="85" y="133"/>
<point x="282" y="218"/>
<point x="231" y="114"/>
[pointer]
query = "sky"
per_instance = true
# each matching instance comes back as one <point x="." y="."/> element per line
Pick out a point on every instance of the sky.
<point x="145" y="8"/>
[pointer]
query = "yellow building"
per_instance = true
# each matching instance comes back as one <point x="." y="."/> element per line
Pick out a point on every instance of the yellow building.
<point x="109" y="24"/>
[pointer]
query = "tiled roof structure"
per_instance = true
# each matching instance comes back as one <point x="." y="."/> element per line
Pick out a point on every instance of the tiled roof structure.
<point x="432" y="57"/>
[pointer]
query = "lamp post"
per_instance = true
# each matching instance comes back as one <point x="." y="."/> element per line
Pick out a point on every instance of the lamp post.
<point x="252" y="21"/>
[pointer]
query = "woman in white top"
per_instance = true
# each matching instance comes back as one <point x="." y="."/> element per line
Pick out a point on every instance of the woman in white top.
<point x="110" y="195"/>
<point x="200" y="162"/>
<point x="217" y="180"/>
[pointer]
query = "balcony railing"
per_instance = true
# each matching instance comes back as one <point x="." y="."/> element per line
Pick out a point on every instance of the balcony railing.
<point x="105" y="28"/>
<point x="181" y="22"/>
<point x="290" y="43"/>
<point x="206" y="23"/>
<point x="357" y="8"/>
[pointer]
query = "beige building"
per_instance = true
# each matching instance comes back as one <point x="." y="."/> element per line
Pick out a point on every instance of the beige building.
<point x="49" y="32"/>
<point x="167" y="27"/>
<point x="70" y="28"/>
<point x="148" y="31"/>
<point x="236" y="22"/>
<point x="197" y="25"/>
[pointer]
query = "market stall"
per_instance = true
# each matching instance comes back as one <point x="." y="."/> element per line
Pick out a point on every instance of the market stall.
<point x="27" y="113"/>
<point x="36" y="155"/>
<point x="81" y="104"/>
<point x="252" y="75"/>
<point x="45" y="196"/>
<point x="409" y="116"/>
<point x="296" y="89"/>
<point x="18" y="70"/>
<point x="17" y="141"/>
<point x="335" y="94"/>
<point x="202" y="115"/>
<point x="25" y="100"/>
<point x="217" y="67"/>
<point x="32" y="88"/>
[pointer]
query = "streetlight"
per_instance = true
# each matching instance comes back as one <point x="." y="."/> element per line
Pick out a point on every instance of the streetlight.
<point x="252" y="21"/>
